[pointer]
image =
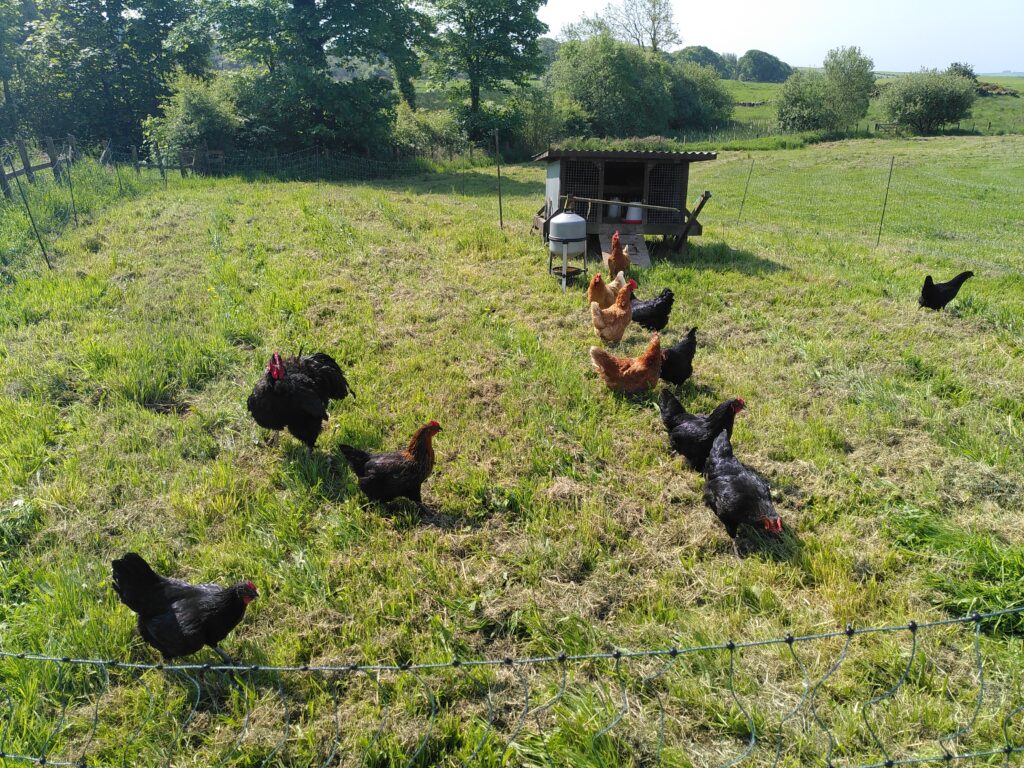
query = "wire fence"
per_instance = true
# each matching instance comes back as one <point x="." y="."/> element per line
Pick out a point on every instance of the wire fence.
<point x="779" y="701"/>
<point x="44" y="204"/>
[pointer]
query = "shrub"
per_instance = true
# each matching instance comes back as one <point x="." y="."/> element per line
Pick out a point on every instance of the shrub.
<point x="804" y="103"/>
<point x="421" y="132"/>
<point x="698" y="97"/>
<point x="928" y="100"/>
<point x="196" y="112"/>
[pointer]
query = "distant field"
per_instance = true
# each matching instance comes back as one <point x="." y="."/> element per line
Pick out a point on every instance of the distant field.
<point x="894" y="439"/>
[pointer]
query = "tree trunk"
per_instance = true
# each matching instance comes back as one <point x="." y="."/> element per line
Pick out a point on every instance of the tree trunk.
<point x="474" y="97"/>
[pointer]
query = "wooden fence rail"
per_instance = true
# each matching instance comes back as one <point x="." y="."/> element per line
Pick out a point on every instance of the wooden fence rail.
<point x="56" y="161"/>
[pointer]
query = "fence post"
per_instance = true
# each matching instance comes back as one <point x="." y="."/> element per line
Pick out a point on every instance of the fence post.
<point x="181" y="163"/>
<point x="23" y="151"/>
<point x="885" y="203"/>
<point x="745" y="188"/>
<point x="135" y="160"/>
<point x="160" y="163"/>
<point x="28" y="210"/>
<point x="74" y="148"/>
<point x="51" y="150"/>
<point x="497" y="161"/>
<point x="105" y="154"/>
<point x="4" y="185"/>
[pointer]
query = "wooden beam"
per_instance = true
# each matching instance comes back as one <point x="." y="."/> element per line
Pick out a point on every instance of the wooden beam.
<point x="23" y="151"/>
<point x="51" y="150"/>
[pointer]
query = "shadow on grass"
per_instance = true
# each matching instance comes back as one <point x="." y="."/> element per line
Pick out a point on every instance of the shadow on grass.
<point x="721" y="258"/>
<point x="781" y="548"/>
<point x="322" y="469"/>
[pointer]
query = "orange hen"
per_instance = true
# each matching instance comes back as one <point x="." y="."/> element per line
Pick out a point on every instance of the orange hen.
<point x="611" y="323"/>
<point x="618" y="261"/>
<point x="603" y="293"/>
<point x="629" y="374"/>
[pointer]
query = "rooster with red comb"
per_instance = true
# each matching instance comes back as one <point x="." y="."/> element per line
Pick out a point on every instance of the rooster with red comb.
<point x="294" y="394"/>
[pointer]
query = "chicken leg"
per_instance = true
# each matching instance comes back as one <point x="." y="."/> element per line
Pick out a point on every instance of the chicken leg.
<point x="227" y="659"/>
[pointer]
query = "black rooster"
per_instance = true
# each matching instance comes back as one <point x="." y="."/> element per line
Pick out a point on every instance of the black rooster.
<point x="388" y="476"/>
<point x="295" y="393"/>
<point x="653" y="313"/>
<point x="692" y="435"/>
<point x="736" y="494"/>
<point x="938" y="295"/>
<point x="175" y="617"/>
<point x="677" y="366"/>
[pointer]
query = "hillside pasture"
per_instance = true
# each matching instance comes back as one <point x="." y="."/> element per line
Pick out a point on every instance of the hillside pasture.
<point x="558" y="518"/>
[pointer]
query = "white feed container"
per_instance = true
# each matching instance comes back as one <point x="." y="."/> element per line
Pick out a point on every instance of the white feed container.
<point x="569" y="230"/>
<point x="634" y="214"/>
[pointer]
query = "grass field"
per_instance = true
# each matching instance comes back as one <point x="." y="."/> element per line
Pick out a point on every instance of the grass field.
<point x="892" y="437"/>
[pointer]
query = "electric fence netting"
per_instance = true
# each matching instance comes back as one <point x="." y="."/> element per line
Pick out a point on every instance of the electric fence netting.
<point x="853" y="697"/>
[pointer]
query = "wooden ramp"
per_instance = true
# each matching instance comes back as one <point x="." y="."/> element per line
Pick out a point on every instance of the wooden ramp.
<point x="635" y="247"/>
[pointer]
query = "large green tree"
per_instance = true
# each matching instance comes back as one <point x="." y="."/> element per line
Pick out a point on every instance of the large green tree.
<point x="97" y="68"/>
<point x="310" y="81"/>
<point x="851" y="79"/>
<point x="492" y="43"/>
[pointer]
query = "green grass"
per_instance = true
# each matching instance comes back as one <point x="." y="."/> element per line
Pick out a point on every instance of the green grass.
<point x="891" y="435"/>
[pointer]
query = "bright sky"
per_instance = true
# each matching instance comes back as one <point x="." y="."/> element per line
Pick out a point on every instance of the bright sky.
<point x="900" y="35"/>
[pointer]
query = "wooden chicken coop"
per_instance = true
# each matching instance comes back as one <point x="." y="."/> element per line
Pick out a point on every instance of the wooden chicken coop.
<point x="637" y="193"/>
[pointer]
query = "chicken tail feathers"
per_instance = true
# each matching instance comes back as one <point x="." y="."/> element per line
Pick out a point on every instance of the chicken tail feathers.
<point x="327" y="374"/>
<point x="356" y="458"/>
<point x="672" y="411"/>
<point x="134" y="580"/>
<point x="596" y="316"/>
<point x="604" y="364"/>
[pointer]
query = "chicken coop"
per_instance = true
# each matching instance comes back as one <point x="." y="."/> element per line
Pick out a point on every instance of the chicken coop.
<point x="638" y="194"/>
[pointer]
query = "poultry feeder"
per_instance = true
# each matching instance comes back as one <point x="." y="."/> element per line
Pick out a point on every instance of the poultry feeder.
<point x="567" y="234"/>
<point x="634" y="214"/>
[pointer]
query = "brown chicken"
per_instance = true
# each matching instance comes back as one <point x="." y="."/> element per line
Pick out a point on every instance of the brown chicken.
<point x="603" y="294"/>
<point x="387" y="476"/>
<point x="629" y="374"/>
<point x="618" y="261"/>
<point x="611" y="323"/>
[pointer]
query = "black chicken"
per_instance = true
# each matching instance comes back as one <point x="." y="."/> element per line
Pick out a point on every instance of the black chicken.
<point x="677" y="366"/>
<point x="388" y="476"/>
<point x="938" y="295"/>
<point x="735" y="493"/>
<point x="693" y="435"/>
<point x="295" y="393"/>
<point x="653" y="313"/>
<point x="175" y="617"/>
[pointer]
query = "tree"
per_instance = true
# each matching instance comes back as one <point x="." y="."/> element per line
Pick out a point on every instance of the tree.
<point x="962" y="70"/>
<point x="928" y="100"/>
<point x="586" y="28"/>
<point x="760" y="67"/>
<point x="548" y="49"/>
<point x="489" y="42"/>
<point x="732" y="64"/>
<point x="851" y="79"/>
<point x="804" y="103"/>
<point x="646" y="23"/>
<point x="705" y="57"/>
<point x="96" y="68"/>
<point x="11" y="37"/>
<point x="609" y="88"/>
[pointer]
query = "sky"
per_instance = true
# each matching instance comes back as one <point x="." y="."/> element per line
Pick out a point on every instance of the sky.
<point x="900" y="35"/>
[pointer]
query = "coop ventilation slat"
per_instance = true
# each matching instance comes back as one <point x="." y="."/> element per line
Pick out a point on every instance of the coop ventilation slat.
<point x="667" y="181"/>
<point x="582" y="180"/>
